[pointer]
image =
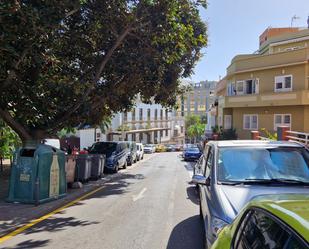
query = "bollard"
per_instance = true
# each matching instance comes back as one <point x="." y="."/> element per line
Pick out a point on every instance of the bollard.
<point x="255" y="135"/>
<point x="282" y="132"/>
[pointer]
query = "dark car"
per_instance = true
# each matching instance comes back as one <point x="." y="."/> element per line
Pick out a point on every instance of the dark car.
<point x="115" y="152"/>
<point x="191" y="154"/>
<point x="170" y="148"/>
<point x="132" y="153"/>
<point x="232" y="173"/>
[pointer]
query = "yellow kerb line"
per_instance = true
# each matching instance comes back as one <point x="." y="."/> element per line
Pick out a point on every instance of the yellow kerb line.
<point x="44" y="217"/>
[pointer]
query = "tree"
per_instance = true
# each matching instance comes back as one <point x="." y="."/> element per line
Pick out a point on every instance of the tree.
<point x="196" y="131"/>
<point x="8" y="141"/>
<point x="192" y="120"/>
<point x="74" y="62"/>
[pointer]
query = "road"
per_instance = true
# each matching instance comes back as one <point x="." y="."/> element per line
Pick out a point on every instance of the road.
<point x="150" y="205"/>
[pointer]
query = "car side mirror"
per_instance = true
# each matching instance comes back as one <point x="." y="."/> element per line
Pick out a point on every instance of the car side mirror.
<point x="200" y="179"/>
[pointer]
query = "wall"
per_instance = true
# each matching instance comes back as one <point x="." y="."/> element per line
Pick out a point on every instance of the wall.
<point x="266" y="118"/>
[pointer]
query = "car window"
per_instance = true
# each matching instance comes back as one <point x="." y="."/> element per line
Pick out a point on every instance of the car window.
<point x="295" y="243"/>
<point x="209" y="162"/>
<point x="261" y="232"/>
<point x="239" y="164"/>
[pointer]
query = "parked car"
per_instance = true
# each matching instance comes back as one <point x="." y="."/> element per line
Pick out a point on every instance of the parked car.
<point x="271" y="221"/>
<point x="191" y="154"/>
<point x="149" y="148"/>
<point x="170" y="147"/>
<point x="140" y="151"/>
<point x="179" y="147"/>
<point x="132" y="153"/>
<point x="234" y="172"/>
<point x="115" y="152"/>
<point x="160" y="148"/>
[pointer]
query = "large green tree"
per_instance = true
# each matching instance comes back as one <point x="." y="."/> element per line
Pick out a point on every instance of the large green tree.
<point x="70" y="62"/>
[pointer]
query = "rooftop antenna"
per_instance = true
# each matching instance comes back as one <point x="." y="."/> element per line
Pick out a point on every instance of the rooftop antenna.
<point x="293" y="19"/>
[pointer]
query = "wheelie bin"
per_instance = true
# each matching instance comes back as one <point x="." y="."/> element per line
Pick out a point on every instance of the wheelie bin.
<point x="37" y="175"/>
<point x="83" y="167"/>
<point x="97" y="165"/>
<point x="70" y="165"/>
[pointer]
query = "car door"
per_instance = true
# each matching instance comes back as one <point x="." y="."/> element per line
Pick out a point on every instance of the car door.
<point x="261" y="230"/>
<point x="205" y="191"/>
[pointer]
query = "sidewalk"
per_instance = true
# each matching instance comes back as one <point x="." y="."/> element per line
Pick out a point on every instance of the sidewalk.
<point x="14" y="215"/>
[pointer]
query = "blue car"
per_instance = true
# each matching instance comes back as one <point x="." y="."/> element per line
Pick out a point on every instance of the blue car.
<point x="116" y="154"/>
<point x="192" y="154"/>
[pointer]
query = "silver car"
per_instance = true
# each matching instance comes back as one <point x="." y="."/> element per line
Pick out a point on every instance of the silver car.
<point x="231" y="173"/>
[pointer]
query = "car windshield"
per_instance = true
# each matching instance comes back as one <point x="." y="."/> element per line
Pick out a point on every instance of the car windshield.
<point x="247" y="164"/>
<point x="148" y="145"/>
<point x="103" y="148"/>
<point x="193" y="149"/>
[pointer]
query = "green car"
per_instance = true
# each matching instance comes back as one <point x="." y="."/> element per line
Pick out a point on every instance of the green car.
<point x="269" y="221"/>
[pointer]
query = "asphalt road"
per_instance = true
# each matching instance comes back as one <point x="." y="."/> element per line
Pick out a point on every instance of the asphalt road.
<point x="150" y="205"/>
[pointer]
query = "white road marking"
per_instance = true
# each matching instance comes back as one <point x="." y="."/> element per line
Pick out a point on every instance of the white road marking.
<point x="140" y="195"/>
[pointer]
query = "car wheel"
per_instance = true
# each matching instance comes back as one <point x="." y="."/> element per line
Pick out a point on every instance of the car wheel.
<point x="116" y="169"/>
<point x="125" y="165"/>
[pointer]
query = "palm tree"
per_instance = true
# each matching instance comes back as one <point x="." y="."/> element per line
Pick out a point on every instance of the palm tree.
<point x="196" y="130"/>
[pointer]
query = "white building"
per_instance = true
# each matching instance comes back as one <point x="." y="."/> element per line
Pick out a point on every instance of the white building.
<point x="145" y="123"/>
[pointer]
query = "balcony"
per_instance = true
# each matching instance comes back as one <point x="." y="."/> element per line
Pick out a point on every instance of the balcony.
<point x="268" y="99"/>
<point x="247" y="63"/>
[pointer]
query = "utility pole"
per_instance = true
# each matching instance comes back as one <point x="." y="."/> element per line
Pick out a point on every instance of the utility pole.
<point x="293" y="19"/>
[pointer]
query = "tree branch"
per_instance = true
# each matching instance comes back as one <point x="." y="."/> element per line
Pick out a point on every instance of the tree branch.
<point x="18" y="128"/>
<point x="97" y="76"/>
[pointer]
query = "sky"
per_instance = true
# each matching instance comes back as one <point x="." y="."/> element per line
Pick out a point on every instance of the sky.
<point x="234" y="27"/>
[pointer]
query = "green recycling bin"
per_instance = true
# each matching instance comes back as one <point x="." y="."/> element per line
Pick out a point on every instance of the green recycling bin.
<point x="37" y="175"/>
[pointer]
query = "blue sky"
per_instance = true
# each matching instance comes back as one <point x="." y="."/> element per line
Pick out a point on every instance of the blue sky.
<point x="234" y="27"/>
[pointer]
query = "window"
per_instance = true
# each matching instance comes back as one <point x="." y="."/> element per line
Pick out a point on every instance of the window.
<point x="166" y="114"/>
<point x="263" y="163"/>
<point x="141" y="136"/>
<point x="140" y="114"/>
<point x="125" y="117"/>
<point x="250" y="86"/>
<point x="261" y="232"/>
<point x="208" y="162"/>
<point x="227" y="122"/>
<point x="161" y="133"/>
<point x="156" y="114"/>
<point x="283" y="83"/>
<point x="250" y="122"/>
<point x="133" y="115"/>
<point x="282" y="120"/>
<point x="161" y="114"/>
<point x="240" y="87"/>
<point x="166" y="133"/>
<point x="148" y="114"/>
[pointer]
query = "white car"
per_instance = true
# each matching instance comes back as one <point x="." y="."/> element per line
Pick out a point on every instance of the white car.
<point x="149" y="148"/>
<point x="140" y="151"/>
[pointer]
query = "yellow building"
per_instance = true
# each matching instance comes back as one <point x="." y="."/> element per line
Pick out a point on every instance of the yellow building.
<point x="269" y="88"/>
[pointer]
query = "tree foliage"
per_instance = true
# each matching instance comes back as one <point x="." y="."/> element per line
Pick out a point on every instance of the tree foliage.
<point x="192" y="120"/>
<point x="8" y="140"/>
<point x="70" y="62"/>
<point x="196" y="131"/>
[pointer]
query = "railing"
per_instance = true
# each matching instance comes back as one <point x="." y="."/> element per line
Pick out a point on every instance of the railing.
<point x="296" y="136"/>
<point x="284" y="134"/>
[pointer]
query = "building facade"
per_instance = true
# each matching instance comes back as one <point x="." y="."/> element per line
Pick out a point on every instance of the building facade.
<point x="145" y="123"/>
<point x="269" y="88"/>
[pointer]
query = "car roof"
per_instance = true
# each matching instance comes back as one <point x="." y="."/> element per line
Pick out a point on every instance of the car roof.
<point x="292" y="209"/>
<point x="254" y="143"/>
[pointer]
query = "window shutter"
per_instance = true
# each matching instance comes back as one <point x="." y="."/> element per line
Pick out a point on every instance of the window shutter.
<point x="257" y="85"/>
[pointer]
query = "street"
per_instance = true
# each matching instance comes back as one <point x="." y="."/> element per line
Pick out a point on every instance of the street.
<point x="149" y="205"/>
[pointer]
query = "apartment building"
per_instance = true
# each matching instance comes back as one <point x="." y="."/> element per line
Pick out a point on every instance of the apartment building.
<point x="145" y="123"/>
<point x="269" y="88"/>
<point x="198" y="99"/>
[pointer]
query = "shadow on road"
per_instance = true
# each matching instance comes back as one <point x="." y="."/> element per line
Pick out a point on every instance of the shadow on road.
<point x="193" y="194"/>
<point x="30" y="244"/>
<point x="187" y="234"/>
<point x="55" y="224"/>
